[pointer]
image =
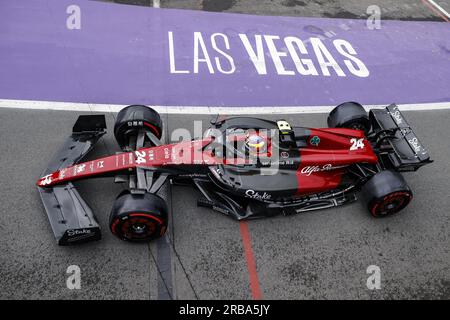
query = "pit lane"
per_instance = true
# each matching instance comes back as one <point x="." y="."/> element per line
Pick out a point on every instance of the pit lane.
<point x="322" y="254"/>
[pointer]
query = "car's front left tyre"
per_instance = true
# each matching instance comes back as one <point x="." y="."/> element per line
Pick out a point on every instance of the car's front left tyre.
<point x="138" y="217"/>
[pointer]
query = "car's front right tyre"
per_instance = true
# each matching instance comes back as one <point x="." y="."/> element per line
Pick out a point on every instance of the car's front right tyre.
<point x="133" y="118"/>
<point x="350" y="115"/>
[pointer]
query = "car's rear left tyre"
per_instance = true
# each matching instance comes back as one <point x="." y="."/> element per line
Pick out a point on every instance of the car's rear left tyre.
<point x="350" y="115"/>
<point x="133" y="118"/>
<point x="138" y="217"/>
<point x="386" y="193"/>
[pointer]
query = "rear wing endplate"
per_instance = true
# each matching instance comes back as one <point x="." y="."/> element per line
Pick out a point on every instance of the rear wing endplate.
<point x="409" y="154"/>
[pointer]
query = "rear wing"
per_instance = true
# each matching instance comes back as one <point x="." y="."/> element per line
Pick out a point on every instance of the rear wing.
<point x="406" y="153"/>
<point x="71" y="219"/>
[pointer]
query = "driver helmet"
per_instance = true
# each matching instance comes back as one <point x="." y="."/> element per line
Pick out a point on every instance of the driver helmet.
<point x="255" y="143"/>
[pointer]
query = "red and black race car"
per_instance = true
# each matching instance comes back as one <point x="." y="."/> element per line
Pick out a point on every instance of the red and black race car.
<point x="243" y="167"/>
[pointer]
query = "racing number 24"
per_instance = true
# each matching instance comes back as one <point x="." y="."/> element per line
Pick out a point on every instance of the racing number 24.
<point x="357" y="144"/>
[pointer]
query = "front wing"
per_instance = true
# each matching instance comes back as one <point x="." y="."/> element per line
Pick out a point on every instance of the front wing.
<point x="71" y="219"/>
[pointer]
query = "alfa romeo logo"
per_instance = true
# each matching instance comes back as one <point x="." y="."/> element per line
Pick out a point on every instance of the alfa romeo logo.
<point x="315" y="141"/>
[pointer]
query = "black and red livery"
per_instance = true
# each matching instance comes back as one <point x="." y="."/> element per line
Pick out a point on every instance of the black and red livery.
<point x="244" y="168"/>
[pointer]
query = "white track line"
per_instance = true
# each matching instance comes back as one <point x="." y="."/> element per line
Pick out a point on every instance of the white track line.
<point x="438" y="7"/>
<point x="95" y="107"/>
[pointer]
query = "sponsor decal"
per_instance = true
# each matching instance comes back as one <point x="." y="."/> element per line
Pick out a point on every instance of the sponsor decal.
<point x="77" y="232"/>
<point x="62" y="173"/>
<point x="166" y="153"/>
<point x="135" y="123"/>
<point x="284" y="154"/>
<point x="100" y="164"/>
<point x="80" y="168"/>
<point x="308" y="170"/>
<point x="397" y="116"/>
<point x="256" y="195"/>
<point x="280" y="163"/>
<point x="221" y="210"/>
<point x="130" y="158"/>
<point x="175" y="154"/>
<point x="193" y="175"/>
<point x="415" y="143"/>
<point x="314" y="141"/>
<point x="46" y="180"/>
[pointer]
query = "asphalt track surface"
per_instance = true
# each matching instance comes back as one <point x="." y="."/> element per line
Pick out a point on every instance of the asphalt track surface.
<point x="322" y="254"/>
<point x="350" y="9"/>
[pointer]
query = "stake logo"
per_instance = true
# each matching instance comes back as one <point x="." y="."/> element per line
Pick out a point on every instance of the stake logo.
<point x="256" y="195"/>
<point x="75" y="232"/>
<point x="415" y="143"/>
<point x="398" y="117"/>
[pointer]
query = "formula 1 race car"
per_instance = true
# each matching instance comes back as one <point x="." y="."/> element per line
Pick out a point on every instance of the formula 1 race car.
<point x="243" y="167"/>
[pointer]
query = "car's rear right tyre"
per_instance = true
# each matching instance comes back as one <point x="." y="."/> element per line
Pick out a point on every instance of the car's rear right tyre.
<point x="386" y="193"/>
